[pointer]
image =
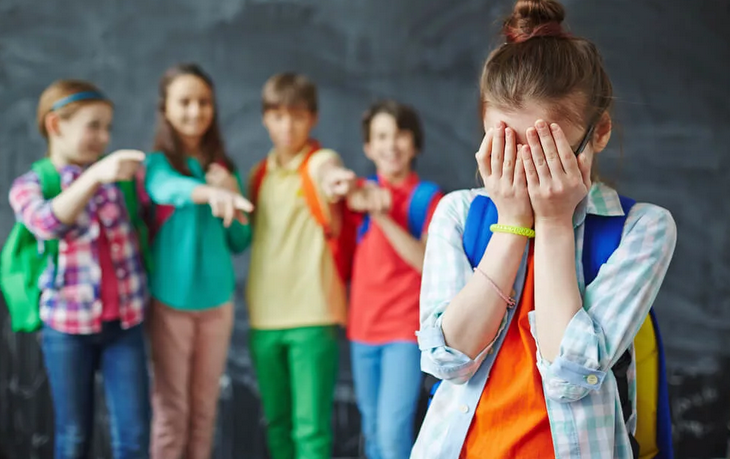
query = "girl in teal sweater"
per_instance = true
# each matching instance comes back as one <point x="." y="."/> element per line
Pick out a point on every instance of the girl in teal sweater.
<point x="199" y="222"/>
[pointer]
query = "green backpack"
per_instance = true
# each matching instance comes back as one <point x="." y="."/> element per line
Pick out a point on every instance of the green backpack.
<point x="21" y="264"/>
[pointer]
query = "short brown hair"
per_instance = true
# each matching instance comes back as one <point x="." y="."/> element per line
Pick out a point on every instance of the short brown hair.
<point x="405" y="116"/>
<point x="291" y="90"/>
<point x="61" y="89"/>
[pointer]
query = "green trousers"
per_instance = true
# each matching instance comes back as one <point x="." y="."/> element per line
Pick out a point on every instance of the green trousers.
<point x="297" y="372"/>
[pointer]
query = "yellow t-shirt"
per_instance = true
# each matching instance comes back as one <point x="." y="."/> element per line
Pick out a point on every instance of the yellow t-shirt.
<point x="293" y="281"/>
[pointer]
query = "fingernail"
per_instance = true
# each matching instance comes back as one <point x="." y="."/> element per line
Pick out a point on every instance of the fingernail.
<point x="499" y="125"/>
<point x="531" y="131"/>
<point x="508" y="132"/>
<point x="555" y="127"/>
<point x="541" y="124"/>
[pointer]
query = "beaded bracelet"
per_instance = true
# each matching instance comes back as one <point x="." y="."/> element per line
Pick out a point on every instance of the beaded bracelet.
<point x="518" y="230"/>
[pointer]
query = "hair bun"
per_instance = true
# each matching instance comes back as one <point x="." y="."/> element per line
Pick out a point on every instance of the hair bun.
<point x="534" y="18"/>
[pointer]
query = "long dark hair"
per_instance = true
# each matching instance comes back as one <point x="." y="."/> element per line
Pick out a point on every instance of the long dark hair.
<point x="167" y="140"/>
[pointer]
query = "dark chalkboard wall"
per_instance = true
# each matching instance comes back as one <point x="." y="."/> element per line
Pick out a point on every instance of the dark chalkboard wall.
<point x="669" y="64"/>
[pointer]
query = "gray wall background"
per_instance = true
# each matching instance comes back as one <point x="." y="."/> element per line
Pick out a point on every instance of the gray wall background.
<point x="669" y="65"/>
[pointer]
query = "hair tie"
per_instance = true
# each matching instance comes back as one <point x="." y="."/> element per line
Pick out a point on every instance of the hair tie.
<point x="548" y="29"/>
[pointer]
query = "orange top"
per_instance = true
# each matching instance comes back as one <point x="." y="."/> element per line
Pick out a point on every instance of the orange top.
<point x="511" y="420"/>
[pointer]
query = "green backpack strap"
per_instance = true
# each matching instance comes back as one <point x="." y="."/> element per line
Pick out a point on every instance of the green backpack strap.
<point x="49" y="177"/>
<point x="50" y="181"/>
<point x="131" y="201"/>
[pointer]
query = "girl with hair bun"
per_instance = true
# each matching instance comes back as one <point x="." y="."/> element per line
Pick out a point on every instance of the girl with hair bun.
<point x="523" y="332"/>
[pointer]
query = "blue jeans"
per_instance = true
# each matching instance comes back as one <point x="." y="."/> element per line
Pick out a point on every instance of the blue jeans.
<point x="72" y="362"/>
<point x="387" y="386"/>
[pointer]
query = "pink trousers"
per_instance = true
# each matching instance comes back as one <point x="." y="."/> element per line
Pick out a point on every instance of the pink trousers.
<point x="189" y="351"/>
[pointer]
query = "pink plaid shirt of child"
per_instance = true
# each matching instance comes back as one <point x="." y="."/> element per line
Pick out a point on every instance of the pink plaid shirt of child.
<point x="71" y="288"/>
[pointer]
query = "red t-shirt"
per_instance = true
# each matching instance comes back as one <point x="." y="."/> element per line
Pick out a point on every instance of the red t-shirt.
<point x="384" y="290"/>
<point x="109" y="287"/>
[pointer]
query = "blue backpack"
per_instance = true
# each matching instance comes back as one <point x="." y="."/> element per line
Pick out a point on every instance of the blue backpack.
<point x="602" y="236"/>
<point x="418" y="206"/>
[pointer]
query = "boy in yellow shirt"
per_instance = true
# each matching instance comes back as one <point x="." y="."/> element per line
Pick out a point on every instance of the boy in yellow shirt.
<point x="296" y="296"/>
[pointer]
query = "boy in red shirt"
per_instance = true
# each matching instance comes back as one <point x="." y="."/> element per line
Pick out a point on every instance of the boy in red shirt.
<point x="386" y="280"/>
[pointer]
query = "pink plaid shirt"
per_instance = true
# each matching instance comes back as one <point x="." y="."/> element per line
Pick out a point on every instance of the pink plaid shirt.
<point x="71" y="288"/>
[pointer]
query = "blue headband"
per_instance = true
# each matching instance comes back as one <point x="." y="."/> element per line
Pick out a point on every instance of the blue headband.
<point x="86" y="95"/>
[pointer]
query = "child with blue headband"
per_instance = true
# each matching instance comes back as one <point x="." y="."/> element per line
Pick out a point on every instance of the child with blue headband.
<point x="77" y="216"/>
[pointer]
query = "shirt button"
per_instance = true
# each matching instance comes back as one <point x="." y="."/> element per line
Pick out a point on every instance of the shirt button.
<point x="592" y="379"/>
<point x="464" y="409"/>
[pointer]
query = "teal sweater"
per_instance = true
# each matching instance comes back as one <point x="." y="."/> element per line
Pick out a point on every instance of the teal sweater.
<point x="192" y="249"/>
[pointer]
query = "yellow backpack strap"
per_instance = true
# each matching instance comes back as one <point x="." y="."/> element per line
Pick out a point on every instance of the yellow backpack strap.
<point x="647" y="376"/>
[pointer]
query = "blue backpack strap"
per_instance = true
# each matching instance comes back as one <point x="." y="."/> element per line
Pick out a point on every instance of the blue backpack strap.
<point x="418" y="207"/>
<point x="482" y="214"/>
<point x="365" y="224"/>
<point x="601" y="237"/>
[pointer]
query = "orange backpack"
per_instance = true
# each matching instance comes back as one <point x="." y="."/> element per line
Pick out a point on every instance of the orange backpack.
<point x="339" y="226"/>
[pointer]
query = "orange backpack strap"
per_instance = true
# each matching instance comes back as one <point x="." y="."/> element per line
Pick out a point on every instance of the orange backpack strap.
<point x="339" y="227"/>
<point x="312" y="197"/>
<point x="257" y="179"/>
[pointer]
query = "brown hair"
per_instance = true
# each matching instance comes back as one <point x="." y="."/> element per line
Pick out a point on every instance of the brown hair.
<point x="58" y="90"/>
<point x="405" y="116"/>
<point x="542" y="62"/>
<point x="166" y="138"/>
<point x="290" y="90"/>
